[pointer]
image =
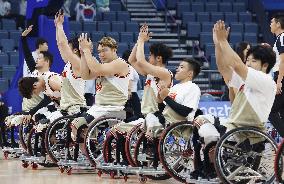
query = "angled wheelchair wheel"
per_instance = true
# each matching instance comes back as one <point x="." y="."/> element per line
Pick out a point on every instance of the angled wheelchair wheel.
<point x="109" y="148"/>
<point x="58" y="141"/>
<point x="31" y="142"/>
<point x="24" y="130"/>
<point x="130" y="142"/>
<point x="95" y="137"/>
<point x="146" y="155"/>
<point x="176" y="150"/>
<point x="113" y="149"/>
<point x="245" y="155"/>
<point x="278" y="165"/>
<point x="35" y="143"/>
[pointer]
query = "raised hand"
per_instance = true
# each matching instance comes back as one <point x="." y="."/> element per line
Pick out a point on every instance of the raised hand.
<point x="85" y="42"/>
<point x="59" y="18"/>
<point x="144" y="34"/>
<point x="221" y="33"/>
<point x="27" y="30"/>
<point x="26" y="119"/>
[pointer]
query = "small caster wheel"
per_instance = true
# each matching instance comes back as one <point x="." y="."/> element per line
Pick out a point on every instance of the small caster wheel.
<point x="25" y="164"/>
<point x="111" y="174"/>
<point x="61" y="169"/>
<point x="142" y="179"/>
<point x="100" y="173"/>
<point x="69" y="171"/>
<point x="6" y="155"/>
<point x="125" y="177"/>
<point x="34" y="166"/>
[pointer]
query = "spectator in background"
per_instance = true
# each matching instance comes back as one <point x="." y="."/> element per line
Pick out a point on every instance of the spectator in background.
<point x="133" y="99"/>
<point x="102" y="5"/>
<point x="242" y="50"/>
<point x="85" y="11"/>
<point x="66" y="8"/>
<point x="22" y="15"/>
<point x="5" y="8"/>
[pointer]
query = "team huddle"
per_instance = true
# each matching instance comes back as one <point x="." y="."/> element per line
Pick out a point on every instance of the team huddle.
<point x="171" y="131"/>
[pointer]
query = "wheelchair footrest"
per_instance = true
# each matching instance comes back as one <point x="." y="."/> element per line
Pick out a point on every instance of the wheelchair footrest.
<point x="81" y="165"/>
<point x="111" y="166"/>
<point x="203" y="181"/>
<point x="145" y="171"/>
<point x="33" y="159"/>
<point x="131" y="170"/>
<point x="14" y="152"/>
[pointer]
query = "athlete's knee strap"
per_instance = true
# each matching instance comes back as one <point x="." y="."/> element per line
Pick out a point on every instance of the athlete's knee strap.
<point x="16" y="120"/>
<point x="89" y="118"/>
<point x="79" y="122"/>
<point x="209" y="133"/>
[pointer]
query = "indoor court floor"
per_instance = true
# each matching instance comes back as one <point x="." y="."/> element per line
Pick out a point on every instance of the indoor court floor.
<point x="12" y="172"/>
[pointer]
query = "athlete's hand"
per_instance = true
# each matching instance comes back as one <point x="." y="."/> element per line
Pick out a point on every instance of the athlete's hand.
<point x="85" y="43"/>
<point x="221" y="33"/>
<point x="26" y="119"/>
<point x="144" y="34"/>
<point x="59" y="18"/>
<point x="27" y="30"/>
<point x="164" y="93"/>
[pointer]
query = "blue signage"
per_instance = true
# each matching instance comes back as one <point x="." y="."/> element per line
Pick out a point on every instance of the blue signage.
<point x="32" y="4"/>
<point x="219" y="109"/>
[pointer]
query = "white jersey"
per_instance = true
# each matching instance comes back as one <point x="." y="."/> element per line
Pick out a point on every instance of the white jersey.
<point x="112" y="90"/>
<point x="72" y="90"/>
<point x="77" y="82"/>
<point x="149" y="102"/>
<point x="134" y="77"/>
<point x="187" y="94"/>
<point x="254" y="100"/>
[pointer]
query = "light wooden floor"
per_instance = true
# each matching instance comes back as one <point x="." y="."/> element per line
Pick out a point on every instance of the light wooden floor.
<point x="11" y="172"/>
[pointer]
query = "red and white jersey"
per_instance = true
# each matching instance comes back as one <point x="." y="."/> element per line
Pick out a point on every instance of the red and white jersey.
<point x="72" y="90"/>
<point x="112" y="90"/>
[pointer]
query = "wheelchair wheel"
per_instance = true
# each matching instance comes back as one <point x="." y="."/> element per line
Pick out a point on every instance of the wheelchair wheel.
<point x="95" y="137"/>
<point x="176" y="150"/>
<point x="278" y="165"/>
<point x="58" y="141"/>
<point x="109" y="148"/>
<point x="146" y="155"/>
<point x="36" y="147"/>
<point x="113" y="149"/>
<point x="24" y="130"/>
<point x="245" y="155"/>
<point x="31" y="142"/>
<point x="130" y="143"/>
<point x="36" y="140"/>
